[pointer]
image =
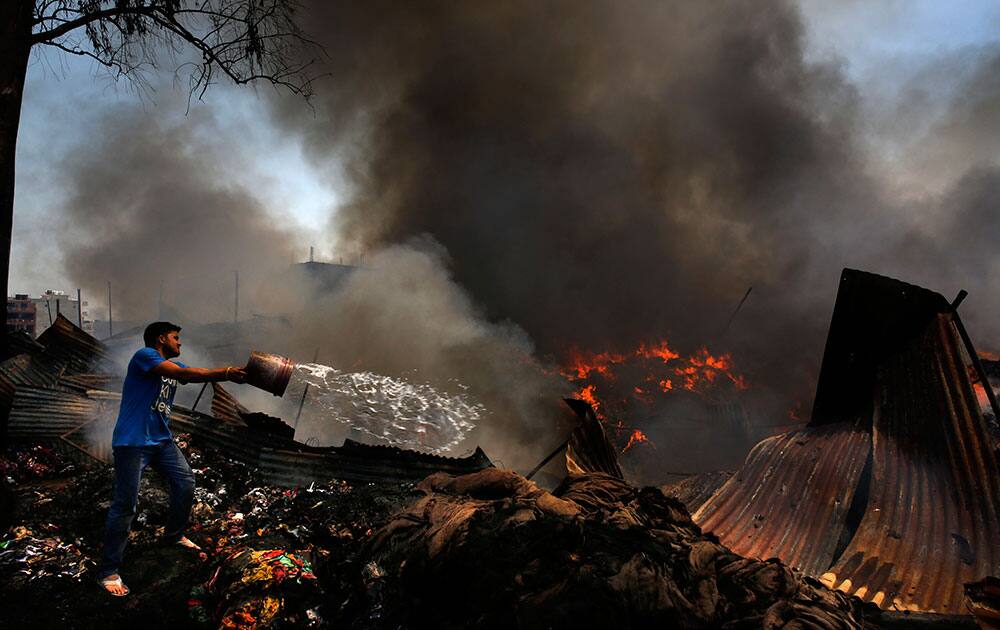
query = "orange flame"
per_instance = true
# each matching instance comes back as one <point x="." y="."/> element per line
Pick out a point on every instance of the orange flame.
<point x="660" y="351"/>
<point x="656" y="364"/>
<point x="981" y="397"/>
<point x="587" y="394"/>
<point x="637" y="437"/>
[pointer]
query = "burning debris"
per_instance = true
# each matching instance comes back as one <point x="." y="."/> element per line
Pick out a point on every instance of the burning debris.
<point x="822" y="527"/>
<point x="654" y="394"/>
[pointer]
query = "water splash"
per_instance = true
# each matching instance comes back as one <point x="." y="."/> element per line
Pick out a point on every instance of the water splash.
<point x="394" y="410"/>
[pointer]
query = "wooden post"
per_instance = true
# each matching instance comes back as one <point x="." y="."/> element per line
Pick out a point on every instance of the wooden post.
<point x="79" y="310"/>
<point x="548" y="458"/>
<point x="236" y="306"/>
<point x="305" y="390"/>
<point x="195" y="405"/>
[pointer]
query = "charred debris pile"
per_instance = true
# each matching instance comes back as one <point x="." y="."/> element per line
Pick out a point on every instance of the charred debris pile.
<point x="874" y="515"/>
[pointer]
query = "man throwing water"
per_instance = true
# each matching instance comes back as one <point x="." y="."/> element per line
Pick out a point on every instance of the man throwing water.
<point x="142" y="438"/>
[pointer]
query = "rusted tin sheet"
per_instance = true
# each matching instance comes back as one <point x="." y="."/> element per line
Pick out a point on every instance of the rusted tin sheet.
<point x="791" y="498"/>
<point x="225" y="406"/>
<point x="88" y="382"/>
<point x="24" y="369"/>
<point x="933" y="517"/>
<point x="20" y="342"/>
<point x="234" y="440"/>
<point x="289" y="463"/>
<point x="46" y="413"/>
<point x="693" y="491"/>
<point x="589" y="449"/>
<point x="75" y="351"/>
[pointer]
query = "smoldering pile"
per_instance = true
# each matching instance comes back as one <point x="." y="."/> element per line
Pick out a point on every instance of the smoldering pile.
<point x="332" y="552"/>
<point x="489" y="549"/>
<point x="272" y="555"/>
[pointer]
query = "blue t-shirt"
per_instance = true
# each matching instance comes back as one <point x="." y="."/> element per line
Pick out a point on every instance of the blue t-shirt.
<point x="146" y="399"/>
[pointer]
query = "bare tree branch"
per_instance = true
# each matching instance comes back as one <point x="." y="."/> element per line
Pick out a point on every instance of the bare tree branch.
<point x="246" y="40"/>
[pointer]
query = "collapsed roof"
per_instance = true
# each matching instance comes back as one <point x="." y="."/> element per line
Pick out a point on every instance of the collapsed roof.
<point x="892" y="491"/>
<point x="63" y="390"/>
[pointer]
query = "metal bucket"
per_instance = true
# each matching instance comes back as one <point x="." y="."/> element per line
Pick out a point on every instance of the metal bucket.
<point x="269" y="372"/>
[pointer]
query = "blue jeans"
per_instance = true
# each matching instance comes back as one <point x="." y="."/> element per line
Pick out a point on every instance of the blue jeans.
<point x="130" y="461"/>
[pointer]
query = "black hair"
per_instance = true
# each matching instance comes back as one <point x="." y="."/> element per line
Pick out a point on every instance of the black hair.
<point x="154" y="330"/>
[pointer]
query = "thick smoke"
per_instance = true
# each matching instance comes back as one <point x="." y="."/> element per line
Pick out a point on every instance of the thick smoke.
<point x="594" y="175"/>
<point x="611" y="172"/>
<point x="403" y="315"/>
<point x="606" y="173"/>
<point x="153" y="201"/>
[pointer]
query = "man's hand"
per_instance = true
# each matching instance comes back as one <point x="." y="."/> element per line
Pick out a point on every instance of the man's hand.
<point x="236" y="374"/>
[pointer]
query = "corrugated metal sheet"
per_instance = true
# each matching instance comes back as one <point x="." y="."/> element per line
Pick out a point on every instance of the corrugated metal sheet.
<point x="45" y="413"/>
<point x="289" y="463"/>
<point x="933" y="517"/>
<point x="790" y="500"/>
<point x="73" y="349"/>
<point x="236" y="441"/>
<point x="62" y="350"/>
<point x="362" y="463"/>
<point x="693" y="491"/>
<point x="225" y="406"/>
<point x="23" y="369"/>
<point x="20" y="342"/>
<point x="588" y="449"/>
<point x="927" y="515"/>
<point x="85" y="382"/>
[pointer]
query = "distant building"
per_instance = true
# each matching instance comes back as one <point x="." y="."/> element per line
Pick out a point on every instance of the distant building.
<point x="21" y="314"/>
<point x="324" y="277"/>
<point x="52" y="303"/>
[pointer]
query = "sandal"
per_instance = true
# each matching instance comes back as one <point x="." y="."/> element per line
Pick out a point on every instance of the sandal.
<point x="105" y="582"/>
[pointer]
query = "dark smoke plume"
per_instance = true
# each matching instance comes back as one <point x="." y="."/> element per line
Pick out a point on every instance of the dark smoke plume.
<point x="605" y="173"/>
<point x="596" y="174"/>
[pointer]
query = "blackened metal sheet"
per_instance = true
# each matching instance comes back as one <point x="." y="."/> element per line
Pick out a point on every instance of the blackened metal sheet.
<point x="791" y="498"/>
<point x="873" y="318"/>
<point x="932" y="519"/>
<point x="75" y="351"/>
<point x="362" y="463"/>
<point x="589" y="449"/>
<point x="225" y="406"/>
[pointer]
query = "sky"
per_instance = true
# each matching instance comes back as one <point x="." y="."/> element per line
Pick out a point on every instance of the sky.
<point x="884" y="48"/>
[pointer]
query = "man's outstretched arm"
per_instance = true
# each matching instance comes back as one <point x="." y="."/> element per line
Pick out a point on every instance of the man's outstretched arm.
<point x="199" y="375"/>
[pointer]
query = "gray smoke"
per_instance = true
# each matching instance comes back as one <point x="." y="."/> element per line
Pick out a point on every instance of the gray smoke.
<point x="152" y="200"/>
<point x="610" y="172"/>
<point x="589" y="175"/>
<point x="403" y="315"/>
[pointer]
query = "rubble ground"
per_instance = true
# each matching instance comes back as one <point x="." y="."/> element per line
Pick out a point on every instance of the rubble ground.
<point x="273" y="557"/>
<point x="489" y="549"/>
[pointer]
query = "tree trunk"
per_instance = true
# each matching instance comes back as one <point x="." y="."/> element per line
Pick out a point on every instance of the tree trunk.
<point x="15" y="46"/>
